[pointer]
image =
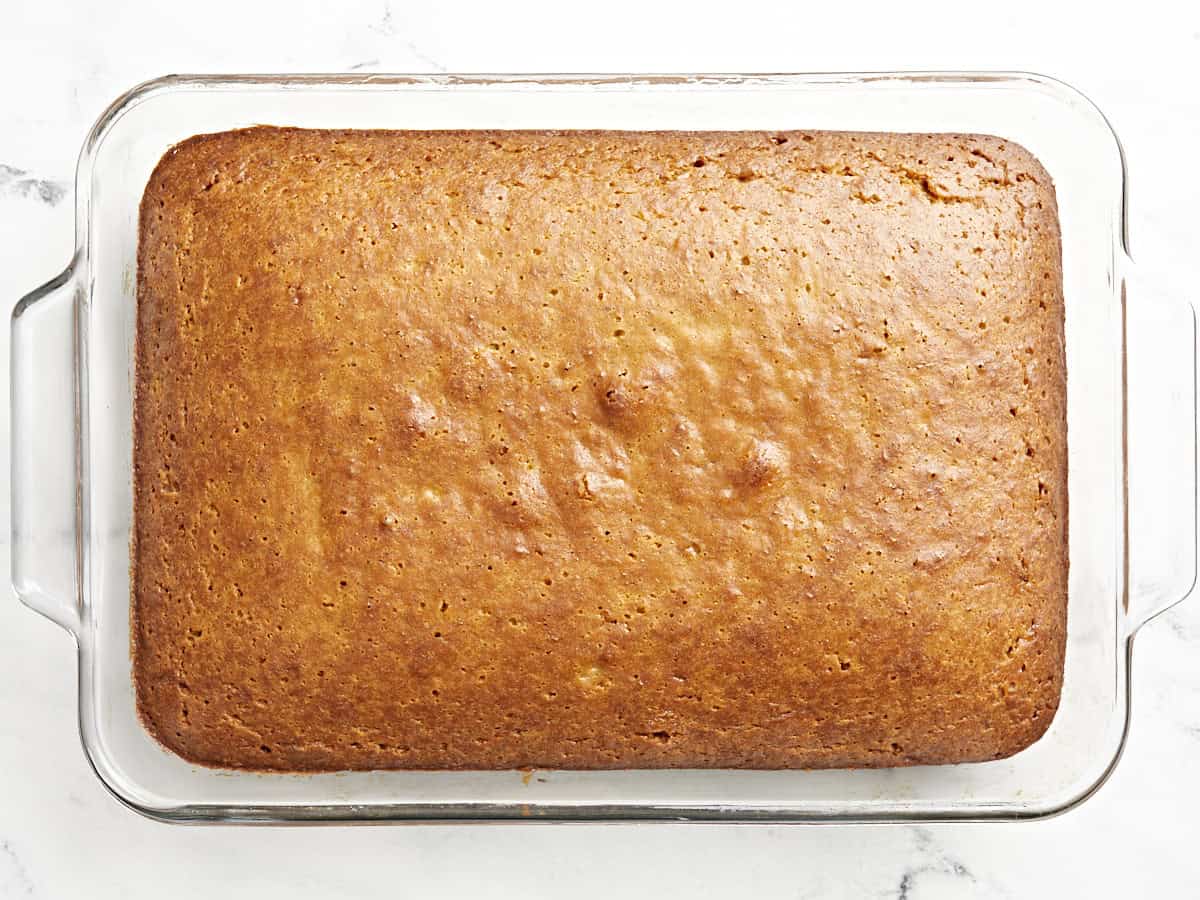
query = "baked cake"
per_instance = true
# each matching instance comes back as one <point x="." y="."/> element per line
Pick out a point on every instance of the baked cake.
<point x="598" y="450"/>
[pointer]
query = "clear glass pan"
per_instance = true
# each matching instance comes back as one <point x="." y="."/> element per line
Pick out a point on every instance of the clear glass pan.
<point x="1131" y="419"/>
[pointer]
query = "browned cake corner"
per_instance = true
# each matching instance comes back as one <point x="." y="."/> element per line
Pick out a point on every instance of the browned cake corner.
<point x="592" y="450"/>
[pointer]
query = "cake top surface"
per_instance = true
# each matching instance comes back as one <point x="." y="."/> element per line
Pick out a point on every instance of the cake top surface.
<point x="598" y="449"/>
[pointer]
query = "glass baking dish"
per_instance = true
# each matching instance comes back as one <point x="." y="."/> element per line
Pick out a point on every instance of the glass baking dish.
<point x="1131" y="362"/>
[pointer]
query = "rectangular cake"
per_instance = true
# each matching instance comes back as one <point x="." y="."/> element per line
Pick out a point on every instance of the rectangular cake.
<point x="598" y="450"/>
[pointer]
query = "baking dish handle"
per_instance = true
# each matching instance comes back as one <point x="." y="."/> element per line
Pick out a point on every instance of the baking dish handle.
<point x="1160" y="379"/>
<point x="45" y="451"/>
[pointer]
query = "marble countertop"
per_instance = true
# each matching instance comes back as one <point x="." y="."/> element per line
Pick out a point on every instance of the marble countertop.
<point x="61" y="835"/>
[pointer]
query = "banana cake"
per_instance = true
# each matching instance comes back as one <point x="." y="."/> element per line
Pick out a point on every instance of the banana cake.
<point x="583" y="450"/>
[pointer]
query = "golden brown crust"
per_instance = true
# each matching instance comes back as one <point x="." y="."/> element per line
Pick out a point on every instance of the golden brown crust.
<point x="591" y="450"/>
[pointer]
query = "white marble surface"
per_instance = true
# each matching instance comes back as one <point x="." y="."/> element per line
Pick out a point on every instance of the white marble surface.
<point x="62" y="836"/>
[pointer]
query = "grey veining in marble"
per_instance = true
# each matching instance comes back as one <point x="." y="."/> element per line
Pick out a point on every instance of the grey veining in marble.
<point x="14" y="880"/>
<point x="21" y="183"/>
<point x="386" y="27"/>
<point x="930" y="859"/>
